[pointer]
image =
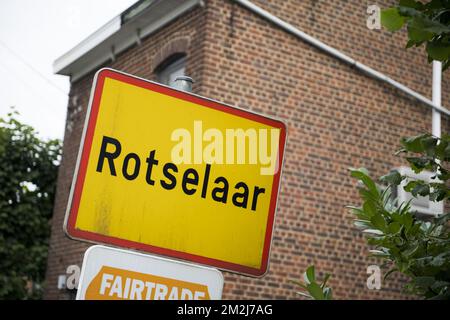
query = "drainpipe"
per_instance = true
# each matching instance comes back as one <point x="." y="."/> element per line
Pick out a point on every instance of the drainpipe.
<point x="340" y="56"/>
<point x="436" y="116"/>
<point x="437" y="78"/>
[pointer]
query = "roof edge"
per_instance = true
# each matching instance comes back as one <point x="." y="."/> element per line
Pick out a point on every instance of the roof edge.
<point x="118" y="35"/>
<point x="87" y="44"/>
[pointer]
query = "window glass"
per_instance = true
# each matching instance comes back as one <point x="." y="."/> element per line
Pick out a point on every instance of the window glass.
<point x="169" y="73"/>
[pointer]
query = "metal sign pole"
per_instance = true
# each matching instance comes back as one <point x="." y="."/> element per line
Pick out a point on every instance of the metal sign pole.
<point x="183" y="83"/>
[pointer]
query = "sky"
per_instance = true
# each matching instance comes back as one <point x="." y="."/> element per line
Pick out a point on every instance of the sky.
<point x="33" y="34"/>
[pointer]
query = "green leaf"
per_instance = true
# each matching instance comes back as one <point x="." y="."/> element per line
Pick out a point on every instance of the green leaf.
<point x="438" y="50"/>
<point x="417" y="32"/>
<point x="325" y="280"/>
<point x="418" y="164"/>
<point x="378" y="253"/>
<point x="440" y="260"/>
<point x="411" y="251"/>
<point x="411" y="185"/>
<point x="438" y="285"/>
<point x="328" y="293"/>
<point x="447" y="152"/>
<point x="373" y="232"/>
<point x="440" y="149"/>
<point x="378" y="222"/>
<point x="429" y="143"/>
<point x="443" y="219"/>
<point x="362" y="175"/>
<point x="424" y="282"/>
<point x="362" y="224"/>
<point x="394" y="227"/>
<point x="410" y="4"/>
<point x="412" y="43"/>
<point x="298" y="283"/>
<point x="310" y="274"/>
<point x="392" y="20"/>
<point x="420" y="189"/>
<point x="369" y="208"/>
<point x="304" y="294"/>
<point x="394" y="178"/>
<point x="358" y="212"/>
<point x="316" y="291"/>
<point x="414" y="143"/>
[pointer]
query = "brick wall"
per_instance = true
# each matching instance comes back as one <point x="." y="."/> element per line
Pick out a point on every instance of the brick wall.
<point x="337" y="118"/>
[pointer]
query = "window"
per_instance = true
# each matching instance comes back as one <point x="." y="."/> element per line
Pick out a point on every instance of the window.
<point x="172" y="69"/>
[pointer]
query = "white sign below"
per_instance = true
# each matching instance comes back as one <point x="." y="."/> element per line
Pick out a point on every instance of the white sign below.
<point x="115" y="274"/>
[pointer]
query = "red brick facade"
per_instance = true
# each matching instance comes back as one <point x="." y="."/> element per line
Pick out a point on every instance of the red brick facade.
<point x="337" y="118"/>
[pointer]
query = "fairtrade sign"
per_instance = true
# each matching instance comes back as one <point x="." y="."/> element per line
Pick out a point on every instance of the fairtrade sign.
<point x="114" y="274"/>
<point x="176" y="174"/>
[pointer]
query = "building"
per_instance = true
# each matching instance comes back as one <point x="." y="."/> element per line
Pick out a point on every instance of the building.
<point x="337" y="115"/>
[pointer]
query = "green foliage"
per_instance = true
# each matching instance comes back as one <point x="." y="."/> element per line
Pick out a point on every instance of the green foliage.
<point x="28" y="169"/>
<point x="434" y="155"/>
<point x="314" y="290"/>
<point x="419" y="249"/>
<point x="427" y="24"/>
<point x="392" y="20"/>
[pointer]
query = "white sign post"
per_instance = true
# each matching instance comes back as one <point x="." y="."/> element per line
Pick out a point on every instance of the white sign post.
<point x="115" y="274"/>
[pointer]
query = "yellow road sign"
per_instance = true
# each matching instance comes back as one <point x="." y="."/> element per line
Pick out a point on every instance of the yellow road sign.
<point x="176" y="174"/>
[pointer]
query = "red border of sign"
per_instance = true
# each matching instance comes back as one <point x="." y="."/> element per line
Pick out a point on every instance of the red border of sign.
<point x="83" y="157"/>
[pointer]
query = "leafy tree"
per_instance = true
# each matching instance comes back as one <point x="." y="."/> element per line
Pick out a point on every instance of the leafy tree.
<point x="28" y="169"/>
<point x="427" y="24"/>
<point x="417" y="248"/>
